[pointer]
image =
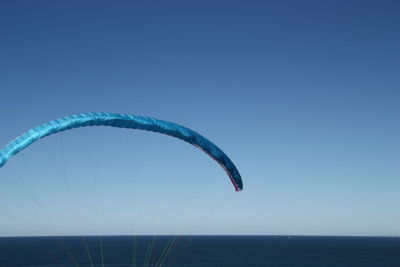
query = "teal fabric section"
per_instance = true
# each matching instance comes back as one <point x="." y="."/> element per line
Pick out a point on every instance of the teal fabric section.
<point x="123" y="121"/>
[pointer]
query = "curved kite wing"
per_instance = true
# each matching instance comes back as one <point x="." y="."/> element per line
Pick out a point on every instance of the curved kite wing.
<point x="123" y="121"/>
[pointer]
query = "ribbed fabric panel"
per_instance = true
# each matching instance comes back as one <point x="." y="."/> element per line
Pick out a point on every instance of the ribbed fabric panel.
<point x="123" y="121"/>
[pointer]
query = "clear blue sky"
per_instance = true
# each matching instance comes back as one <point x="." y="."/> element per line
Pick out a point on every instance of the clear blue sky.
<point x="304" y="96"/>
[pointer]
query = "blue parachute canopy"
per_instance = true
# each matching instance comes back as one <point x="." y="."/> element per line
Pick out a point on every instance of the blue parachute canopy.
<point x="123" y="121"/>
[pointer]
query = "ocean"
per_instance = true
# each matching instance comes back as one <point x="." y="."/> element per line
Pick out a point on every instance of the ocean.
<point x="200" y="251"/>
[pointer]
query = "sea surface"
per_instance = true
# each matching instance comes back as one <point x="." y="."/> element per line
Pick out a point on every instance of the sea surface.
<point x="200" y="251"/>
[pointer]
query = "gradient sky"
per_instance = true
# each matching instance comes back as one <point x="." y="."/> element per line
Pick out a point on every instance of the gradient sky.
<point x="302" y="95"/>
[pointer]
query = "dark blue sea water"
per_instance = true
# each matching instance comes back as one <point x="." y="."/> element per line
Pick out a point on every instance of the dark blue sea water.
<point x="200" y="251"/>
